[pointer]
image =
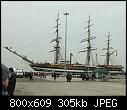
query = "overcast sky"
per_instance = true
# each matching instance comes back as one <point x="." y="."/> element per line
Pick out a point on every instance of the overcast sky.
<point x="28" y="26"/>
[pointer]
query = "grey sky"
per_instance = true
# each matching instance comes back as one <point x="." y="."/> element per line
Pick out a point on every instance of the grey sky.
<point x="27" y="26"/>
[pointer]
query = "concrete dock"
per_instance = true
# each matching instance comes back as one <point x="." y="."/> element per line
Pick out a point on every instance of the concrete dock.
<point x="50" y="87"/>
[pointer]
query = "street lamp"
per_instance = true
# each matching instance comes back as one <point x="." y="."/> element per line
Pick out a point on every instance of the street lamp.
<point x="65" y="38"/>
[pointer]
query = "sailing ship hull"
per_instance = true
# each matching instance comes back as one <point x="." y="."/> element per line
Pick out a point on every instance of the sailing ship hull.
<point x="112" y="69"/>
<point x="61" y="68"/>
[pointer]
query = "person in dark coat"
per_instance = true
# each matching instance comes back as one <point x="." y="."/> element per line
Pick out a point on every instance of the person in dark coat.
<point x="69" y="77"/>
<point x="5" y="79"/>
<point x="93" y="76"/>
<point x="12" y="82"/>
<point x="83" y="76"/>
<point x="31" y="76"/>
<point x="54" y="76"/>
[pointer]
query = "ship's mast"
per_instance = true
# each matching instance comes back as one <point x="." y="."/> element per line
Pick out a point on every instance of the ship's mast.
<point x="57" y="46"/>
<point x="108" y="53"/>
<point x="88" y="49"/>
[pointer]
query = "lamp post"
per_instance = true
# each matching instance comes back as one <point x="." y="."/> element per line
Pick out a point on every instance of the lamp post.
<point x="65" y="39"/>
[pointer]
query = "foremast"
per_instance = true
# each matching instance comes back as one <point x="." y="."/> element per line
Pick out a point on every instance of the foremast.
<point x="57" y="45"/>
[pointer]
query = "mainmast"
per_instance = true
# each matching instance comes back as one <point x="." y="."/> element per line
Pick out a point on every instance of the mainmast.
<point x="57" y="46"/>
<point x="88" y="49"/>
<point x="108" y="53"/>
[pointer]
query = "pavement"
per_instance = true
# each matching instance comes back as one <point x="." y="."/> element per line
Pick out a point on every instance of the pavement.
<point x="60" y="87"/>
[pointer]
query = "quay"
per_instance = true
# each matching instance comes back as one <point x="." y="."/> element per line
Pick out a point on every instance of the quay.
<point x="50" y="87"/>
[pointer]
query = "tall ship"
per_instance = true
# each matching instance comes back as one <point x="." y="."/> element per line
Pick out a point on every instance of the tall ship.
<point x="61" y="64"/>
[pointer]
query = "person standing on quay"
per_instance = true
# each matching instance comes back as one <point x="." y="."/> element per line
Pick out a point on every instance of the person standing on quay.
<point x="54" y="76"/>
<point x="5" y="79"/>
<point x="31" y="76"/>
<point x="12" y="82"/>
